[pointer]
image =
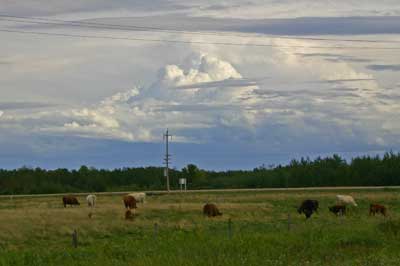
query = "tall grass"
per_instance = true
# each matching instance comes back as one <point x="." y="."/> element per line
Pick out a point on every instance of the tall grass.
<point x="33" y="235"/>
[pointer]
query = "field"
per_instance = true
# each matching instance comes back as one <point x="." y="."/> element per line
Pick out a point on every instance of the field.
<point x="171" y="230"/>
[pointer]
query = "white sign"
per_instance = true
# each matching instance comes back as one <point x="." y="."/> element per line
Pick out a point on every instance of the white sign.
<point x="182" y="181"/>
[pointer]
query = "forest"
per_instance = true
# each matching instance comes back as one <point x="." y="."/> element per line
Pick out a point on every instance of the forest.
<point x="330" y="171"/>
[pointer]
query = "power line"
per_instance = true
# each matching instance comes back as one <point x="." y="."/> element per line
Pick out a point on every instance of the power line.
<point x="58" y="22"/>
<point x="196" y="42"/>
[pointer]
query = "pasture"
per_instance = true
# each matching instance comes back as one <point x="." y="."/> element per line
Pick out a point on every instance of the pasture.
<point x="171" y="230"/>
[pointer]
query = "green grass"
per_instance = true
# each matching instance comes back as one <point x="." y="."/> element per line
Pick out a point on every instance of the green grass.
<point x="38" y="231"/>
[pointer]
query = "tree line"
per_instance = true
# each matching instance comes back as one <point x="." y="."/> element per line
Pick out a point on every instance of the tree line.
<point x="330" y="171"/>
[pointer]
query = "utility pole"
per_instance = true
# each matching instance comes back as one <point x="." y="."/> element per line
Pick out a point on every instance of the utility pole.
<point x="167" y="158"/>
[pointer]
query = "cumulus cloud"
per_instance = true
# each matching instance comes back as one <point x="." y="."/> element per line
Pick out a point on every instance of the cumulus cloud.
<point x="141" y="114"/>
<point x="207" y="99"/>
<point x="314" y="99"/>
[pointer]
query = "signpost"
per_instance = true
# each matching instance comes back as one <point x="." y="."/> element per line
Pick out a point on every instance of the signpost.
<point x="182" y="183"/>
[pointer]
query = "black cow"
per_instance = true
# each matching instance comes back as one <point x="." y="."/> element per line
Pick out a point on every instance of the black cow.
<point x="308" y="207"/>
<point x="338" y="209"/>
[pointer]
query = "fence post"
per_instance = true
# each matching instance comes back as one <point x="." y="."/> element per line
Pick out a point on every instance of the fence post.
<point x="341" y="217"/>
<point x="155" y="230"/>
<point x="288" y="221"/>
<point x="230" y="228"/>
<point x="75" y="239"/>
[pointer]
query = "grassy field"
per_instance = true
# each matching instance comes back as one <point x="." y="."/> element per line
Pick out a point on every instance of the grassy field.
<point x="37" y="231"/>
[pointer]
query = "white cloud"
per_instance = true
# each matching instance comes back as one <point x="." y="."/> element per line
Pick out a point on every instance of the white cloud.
<point x="202" y="101"/>
<point x="207" y="93"/>
<point x="141" y="114"/>
<point x="292" y="9"/>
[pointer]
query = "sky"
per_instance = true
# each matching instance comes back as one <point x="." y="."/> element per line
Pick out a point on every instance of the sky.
<point x="238" y="84"/>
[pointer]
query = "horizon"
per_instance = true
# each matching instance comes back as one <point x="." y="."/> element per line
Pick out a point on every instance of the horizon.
<point x="348" y="157"/>
<point x="239" y="85"/>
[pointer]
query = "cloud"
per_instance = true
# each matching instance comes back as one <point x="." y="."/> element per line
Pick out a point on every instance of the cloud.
<point x="24" y="105"/>
<point x="315" y="100"/>
<point x="328" y="94"/>
<point x="205" y="69"/>
<point x="336" y="57"/>
<point x="384" y="67"/>
<point x="295" y="9"/>
<point x="322" y="26"/>
<point x="317" y="25"/>
<point x="206" y="99"/>
<point x="226" y="83"/>
<point x="142" y="114"/>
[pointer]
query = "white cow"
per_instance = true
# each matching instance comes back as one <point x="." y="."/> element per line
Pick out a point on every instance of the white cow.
<point x="345" y="200"/>
<point x="91" y="200"/>
<point x="139" y="196"/>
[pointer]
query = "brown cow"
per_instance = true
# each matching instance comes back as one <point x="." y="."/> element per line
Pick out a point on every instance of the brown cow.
<point x="130" y="202"/>
<point x="70" y="200"/>
<point x="376" y="208"/>
<point x="211" y="210"/>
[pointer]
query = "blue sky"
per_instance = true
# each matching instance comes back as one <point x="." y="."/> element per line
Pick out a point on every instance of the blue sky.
<point x="67" y="101"/>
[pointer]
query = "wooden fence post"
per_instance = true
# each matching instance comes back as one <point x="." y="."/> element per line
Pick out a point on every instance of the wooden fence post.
<point x="341" y="217"/>
<point x="75" y="239"/>
<point x="230" y="228"/>
<point x="155" y="230"/>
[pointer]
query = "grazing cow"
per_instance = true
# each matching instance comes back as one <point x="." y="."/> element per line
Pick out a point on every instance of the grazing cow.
<point x="91" y="200"/>
<point x="130" y="202"/>
<point x="129" y="215"/>
<point x="70" y="200"/>
<point x="308" y="207"/>
<point x="376" y="208"/>
<point x="211" y="210"/>
<point x="338" y="209"/>
<point x="139" y="196"/>
<point x="345" y="200"/>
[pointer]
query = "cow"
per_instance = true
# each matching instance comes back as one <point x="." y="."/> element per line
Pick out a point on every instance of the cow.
<point x="376" y="208"/>
<point x="91" y="200"/>
<point x="129" y="215"/>
<point x="70" y="200"/>
<point x="338" y="209"/>
<point x="308" y="207"/>
<point x="211" y="210"/>
<point x="129" y="202"/>
<point x="345" y="200"/>
<point x="139" y="196"/>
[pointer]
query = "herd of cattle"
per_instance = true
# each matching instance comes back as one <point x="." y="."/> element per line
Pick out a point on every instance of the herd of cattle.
<point x="307" y="207"/>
